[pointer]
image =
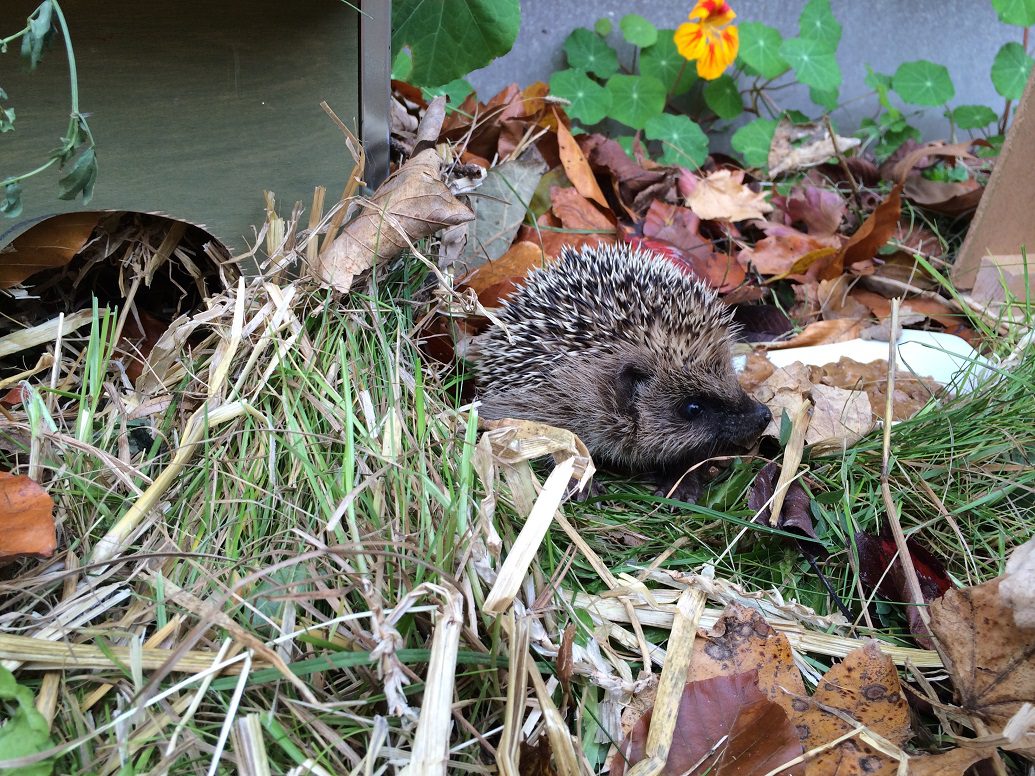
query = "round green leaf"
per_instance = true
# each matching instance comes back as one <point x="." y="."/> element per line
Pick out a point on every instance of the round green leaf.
<point x="663" y="61"/>
<point x="817" y="23"/>
<point x="402" y="66"/>
<point x="638" y="30"/>
<point x="760" y="48"/>
<point x="973" y="116"/>
<point x="722" y="96"/>
<point x="455" y="91"/>
<point x="590" y="102"/>
<point x="603" y="26"/>
<point x="752" y="141"/>
<point x="684" y="142"/>
<point x="923" y="83"/>
<point x="588" y="51"/>
<point x="450" y="38"/>
<point x="635" y="99"/>
<point x="824" y="98"/>
<point x="1017" y="12"/>
<point x="813" y="61"/>
<point x="1010" y="70"/>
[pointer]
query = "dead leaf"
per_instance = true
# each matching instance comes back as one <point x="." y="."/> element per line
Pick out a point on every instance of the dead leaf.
<point x="990" y="659"/>
<point x="26" y="518"/>
<point x="537" y="759"/>
<point x="911" y="393"/>
<point x="821" y="333"/>
<point x="839" y="416"/>
<point x="836" y="301"/>
<point x="722" y="195"/>
<point x="865" y="686"/>
<point x="777" y="253"/>
<point x="757" y="370"/>
<point x="759" y="737"/>
<point x="50" y="243"/>
<point x="741" y="641"/>
<point x="503" y="276"/>
<point x="548" y="236"/>
<point x="797" y="146"/>
<point x="876" y="230"/>
<point x="820" y="210"/>
<point x="577" y="168"/>
<point x="414" y="199"/>
<point x="795" y="515"/>
<point x="1017" y="588"/>
<point x="576" y="212"/>
<point x="950" y="763"/>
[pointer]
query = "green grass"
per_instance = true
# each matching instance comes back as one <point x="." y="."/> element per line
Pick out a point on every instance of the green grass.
<point x="349" y="482"/>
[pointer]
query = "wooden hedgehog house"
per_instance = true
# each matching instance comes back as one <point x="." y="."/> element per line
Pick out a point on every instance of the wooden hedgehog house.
<point x="197" y="108"/>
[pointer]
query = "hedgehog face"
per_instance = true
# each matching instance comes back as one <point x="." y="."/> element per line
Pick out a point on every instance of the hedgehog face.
<point x="686" y="414"/>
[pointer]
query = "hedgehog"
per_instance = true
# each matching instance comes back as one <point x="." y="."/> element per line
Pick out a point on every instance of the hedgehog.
<point x="629" y="352"/>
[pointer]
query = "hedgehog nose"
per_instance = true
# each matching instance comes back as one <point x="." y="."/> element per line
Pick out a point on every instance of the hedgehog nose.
<point x="762" y="416"/>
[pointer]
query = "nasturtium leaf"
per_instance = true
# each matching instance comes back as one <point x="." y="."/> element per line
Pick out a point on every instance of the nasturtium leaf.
<point x="752" y="141"/>
<point x="81" y="178"/>
<point x="7" y="117"/>
<point x="402" y="66"/>
<point x="638" y="31"/>
<point x="877" y="81"/>
<point x="817" y="22"/>
<point x="603" y="26"/>
<point x="1010" y="70"/>
<point x="682" y="140"/>
<point x="923" y="83"/>
<point x="11" y="204"/>
<point x="590" y="102"/>
<point x="455" y="91"/>
<point x="25" y="731"/>
<point x="824" y="98"/>
<point x="973" y="116"/>
<point x="723" y="97"/>
<point x="37" y="34"/>
<point x="450" y="38"/>
<point x="1017" y="12"/>
<point x="814" y="62"/>
<point x="588" y="51"/>
<point x="760" y="48"/>
<point x="635" y="99"/>
<point x="663" y="61"/>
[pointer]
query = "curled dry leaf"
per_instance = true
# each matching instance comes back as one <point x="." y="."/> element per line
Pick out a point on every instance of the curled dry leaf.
<point x="722" y="195"/>
<point x="991" y="659"/>
<point x="821" y="333"/>
<point x="797" y="146"/>
<point x="879" y="227"/>
<point x="758" y="736"/>
<point x="26" y="518"/>
<point x="795" y="516"/>
<point x="577" y="168"/>
<point x="414" y="200"/>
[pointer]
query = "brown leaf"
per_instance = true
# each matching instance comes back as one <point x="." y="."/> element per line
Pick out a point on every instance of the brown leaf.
<point x="139" y="336"/>
<point x="990" y="659"/>
<point x="838" y="416"/>
<point x="783" y="247"/>
<point x="911" y="393"/>
<point x="546" y="235"/>
<point x="50" y="243"/>
<point x="577" y="212"/>
<point x="577" y="168"/>
<point x="606" y="155"/>
<point x="795" y="515"/>
<point x="740" y="641"/>
<point x="760" y="737"/>
<point x="510" y="269"/>
<point x="536" y="760"/>
<point x="821" y="210"/>
<point x="797" y="146"/>
<point x="821" y="333"/>
<point x="722" y="195"/>
<point x="950" y="763"/>
<point x="876" y="230"/>
<point x="26" y="518"/>
<point x="865" y="685"/>
<point x="414" y="199"/>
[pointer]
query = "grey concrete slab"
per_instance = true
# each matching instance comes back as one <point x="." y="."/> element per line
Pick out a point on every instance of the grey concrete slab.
<point x="963" y="35"/>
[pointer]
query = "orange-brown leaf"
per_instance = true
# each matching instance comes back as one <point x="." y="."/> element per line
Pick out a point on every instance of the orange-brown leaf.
<point x="879" y="227"/>
<point x="577" y="168"/>
<point x="577" y="212"/>
<point x="26" y="518"/>
<point x="50" y="243"/>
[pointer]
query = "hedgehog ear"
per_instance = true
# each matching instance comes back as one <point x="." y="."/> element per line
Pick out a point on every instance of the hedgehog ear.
<point x="629" y="383"/>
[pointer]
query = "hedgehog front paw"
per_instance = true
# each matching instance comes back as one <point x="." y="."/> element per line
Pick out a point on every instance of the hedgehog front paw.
<point x="678" y="484"/>
<point x="591" y="490"/>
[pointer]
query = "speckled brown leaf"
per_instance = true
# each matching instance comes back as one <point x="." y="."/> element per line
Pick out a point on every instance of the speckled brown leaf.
<point x="413" y="199"/>
<point x="26" y="518"/>
<point x="741" y="640"/>
<point x="950" y="763"/>
<point x="865" y="685"/>
<point x="760" y="737"/>
<point x="990" y="659"/>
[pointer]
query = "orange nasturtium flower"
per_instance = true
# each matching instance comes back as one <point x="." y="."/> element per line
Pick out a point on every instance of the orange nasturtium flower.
<point x="708" y="39"/>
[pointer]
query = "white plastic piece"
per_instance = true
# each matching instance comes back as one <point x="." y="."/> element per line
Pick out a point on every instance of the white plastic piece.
<point x="945" y="358"/>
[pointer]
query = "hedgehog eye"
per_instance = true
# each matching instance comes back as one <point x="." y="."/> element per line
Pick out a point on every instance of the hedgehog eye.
<point x="691" y="410"/>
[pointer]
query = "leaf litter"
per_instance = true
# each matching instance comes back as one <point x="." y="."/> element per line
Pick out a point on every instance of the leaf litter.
<point x="265" y="376"/>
